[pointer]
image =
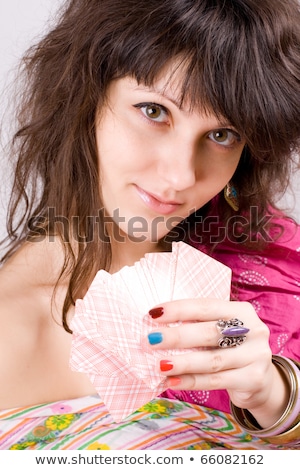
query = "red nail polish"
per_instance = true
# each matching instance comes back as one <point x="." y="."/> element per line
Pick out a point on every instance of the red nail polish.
<point x="156" y="312"/>
<point x="173" y="381"/>
<point x="166" y="365"/>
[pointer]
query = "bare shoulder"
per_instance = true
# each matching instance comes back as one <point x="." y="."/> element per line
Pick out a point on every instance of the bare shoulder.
<point x="27" y="278"/>
<point x="27" y="322"/>
<point x="34" y="347"/>
<point x="27" y="281"/>
<point x="37" y="263"/>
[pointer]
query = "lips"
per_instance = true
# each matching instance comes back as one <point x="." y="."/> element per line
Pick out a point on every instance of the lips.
<point x="157" y="203"/>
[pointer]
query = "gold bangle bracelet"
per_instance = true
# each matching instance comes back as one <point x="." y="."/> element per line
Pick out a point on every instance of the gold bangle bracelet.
<point x="288" y="437"/>
<point x="287" y="428"/>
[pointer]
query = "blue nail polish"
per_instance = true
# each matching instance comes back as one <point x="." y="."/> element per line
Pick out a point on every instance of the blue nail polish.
<point x="155" y="338"/>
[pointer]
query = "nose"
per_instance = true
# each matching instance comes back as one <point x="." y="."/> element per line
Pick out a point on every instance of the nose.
<point x="177" y="165"/>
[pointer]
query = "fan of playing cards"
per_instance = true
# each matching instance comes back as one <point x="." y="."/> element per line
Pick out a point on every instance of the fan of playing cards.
<point x="111" y="323"/>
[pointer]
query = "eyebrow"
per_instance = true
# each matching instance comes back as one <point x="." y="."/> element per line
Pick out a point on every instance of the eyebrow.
<point x="223" y="123"/>
<point x="162" y="93"/>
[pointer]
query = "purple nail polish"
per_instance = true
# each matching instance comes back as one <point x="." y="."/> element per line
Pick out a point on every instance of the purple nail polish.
<point x="235" y="331"/>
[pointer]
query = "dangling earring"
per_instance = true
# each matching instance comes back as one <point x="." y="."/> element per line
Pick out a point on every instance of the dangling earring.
<point x="231" y="196"/>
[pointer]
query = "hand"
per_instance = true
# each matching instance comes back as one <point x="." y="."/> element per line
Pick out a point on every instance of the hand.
<point x="245" y="371"/>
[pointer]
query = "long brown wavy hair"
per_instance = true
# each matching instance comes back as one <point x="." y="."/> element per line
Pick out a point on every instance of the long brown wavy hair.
<point x="241" y="59"/>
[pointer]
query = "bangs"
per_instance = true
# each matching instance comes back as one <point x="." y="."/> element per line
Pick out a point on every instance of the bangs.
<point x="229" y="61"/>
<point x="191" y="87"/>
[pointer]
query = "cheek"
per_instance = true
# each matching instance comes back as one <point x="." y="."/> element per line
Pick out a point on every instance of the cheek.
<point x="212" y="176"/>
<point x="217" y="166"/>
<point x="122" y="149"/>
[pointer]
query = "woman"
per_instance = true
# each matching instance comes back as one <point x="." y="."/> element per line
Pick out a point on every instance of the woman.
<point x="147" y="109"/>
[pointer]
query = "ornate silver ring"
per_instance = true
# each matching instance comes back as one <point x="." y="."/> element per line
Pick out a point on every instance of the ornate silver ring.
<point x="233" y="333"/>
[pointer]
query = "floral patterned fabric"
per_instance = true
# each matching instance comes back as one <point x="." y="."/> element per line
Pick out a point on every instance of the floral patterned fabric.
<point x="84" y="424"/>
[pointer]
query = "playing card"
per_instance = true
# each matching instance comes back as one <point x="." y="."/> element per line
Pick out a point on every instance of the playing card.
<point x="111" y="322"/>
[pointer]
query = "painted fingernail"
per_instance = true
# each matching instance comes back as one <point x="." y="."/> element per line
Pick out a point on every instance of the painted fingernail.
<point x="166" y="365"/>
<point x="155" y="338"/>
<point x="156" y="312"/>
<point x="173" y="381"/>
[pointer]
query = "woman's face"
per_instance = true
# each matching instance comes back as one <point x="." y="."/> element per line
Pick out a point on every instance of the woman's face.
<point x="158" y="161"/>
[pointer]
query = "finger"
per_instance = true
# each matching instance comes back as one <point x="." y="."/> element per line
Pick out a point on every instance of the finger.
<point x="203" y="362"/>
<point x="199" y="310"/>
<point x="215" y="360"/>
<point x="186" y="335"/>
<point x="202" y="334"/>
<point x="247" y="379"/>
<point x="217" y="381"/>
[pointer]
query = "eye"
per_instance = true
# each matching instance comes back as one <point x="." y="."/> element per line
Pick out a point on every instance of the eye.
<point x="153" y="111"/>
<point x="225" y="137"/>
